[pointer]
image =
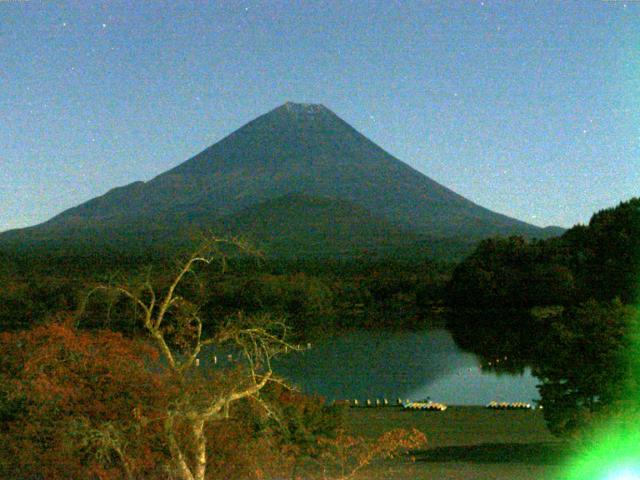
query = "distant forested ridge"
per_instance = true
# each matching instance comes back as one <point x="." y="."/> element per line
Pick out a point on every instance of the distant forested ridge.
<point x="318" y="296"/>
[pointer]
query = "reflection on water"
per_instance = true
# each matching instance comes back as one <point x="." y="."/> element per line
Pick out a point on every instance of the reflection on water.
<point x="412" y="365"/>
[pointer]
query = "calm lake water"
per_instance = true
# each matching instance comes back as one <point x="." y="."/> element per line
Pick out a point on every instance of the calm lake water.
<point x="407" y="365"/>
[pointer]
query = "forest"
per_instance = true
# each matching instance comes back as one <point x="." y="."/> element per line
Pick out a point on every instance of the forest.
<point x="99" y="372"/>
<point x="318" y="296"/>
<point x="566" y="306"/>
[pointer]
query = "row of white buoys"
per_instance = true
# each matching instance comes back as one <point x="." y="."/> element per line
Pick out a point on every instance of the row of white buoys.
<point x="405" y="404"/>
<point x="230" y="356"/>
<point x="369" y="403"/>
<point x="286" y="349"/>
<point x="298" y="347"/>
<point x="509" y="406"/>
<point x="496" y="361"/>
<point x="215" y="358"/>
<point x="428" y="406"/>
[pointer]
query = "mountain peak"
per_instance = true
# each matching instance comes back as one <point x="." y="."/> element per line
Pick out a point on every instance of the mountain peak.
<point x="300" y="148"/>
<point x="303" y="108"/>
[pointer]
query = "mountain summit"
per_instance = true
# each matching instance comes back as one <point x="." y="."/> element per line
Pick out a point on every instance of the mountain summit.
<point x="294" y="151"/>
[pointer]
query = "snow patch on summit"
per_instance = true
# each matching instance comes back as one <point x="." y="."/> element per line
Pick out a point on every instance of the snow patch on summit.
<point x="309" y="108"/>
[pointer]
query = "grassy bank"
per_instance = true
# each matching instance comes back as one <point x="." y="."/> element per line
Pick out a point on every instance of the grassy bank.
<point x="465" y="443"/>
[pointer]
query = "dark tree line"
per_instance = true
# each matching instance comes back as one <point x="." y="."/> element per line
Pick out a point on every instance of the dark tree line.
<point x="563" y="306"/>
<point x="317" y="297"/>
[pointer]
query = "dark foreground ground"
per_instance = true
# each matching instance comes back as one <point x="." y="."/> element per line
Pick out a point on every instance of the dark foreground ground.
<point x="466" y="443"/>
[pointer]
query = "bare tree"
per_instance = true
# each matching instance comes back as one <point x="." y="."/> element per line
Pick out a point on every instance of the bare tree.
<point x="171" y="320"/>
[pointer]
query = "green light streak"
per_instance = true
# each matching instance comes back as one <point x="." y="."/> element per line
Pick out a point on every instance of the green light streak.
<point x="613" y="451"/>
<point x="615" y="455"/>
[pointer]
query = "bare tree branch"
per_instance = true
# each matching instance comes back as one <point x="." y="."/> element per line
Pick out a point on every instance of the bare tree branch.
<point x="258" y="338"/>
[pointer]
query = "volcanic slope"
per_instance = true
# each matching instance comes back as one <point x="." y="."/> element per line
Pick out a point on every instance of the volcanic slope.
<point x="296" y="152"/>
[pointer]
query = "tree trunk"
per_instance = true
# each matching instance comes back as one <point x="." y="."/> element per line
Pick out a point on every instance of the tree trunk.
<point x="200" y="449"/>
<point x="182" y="470"/>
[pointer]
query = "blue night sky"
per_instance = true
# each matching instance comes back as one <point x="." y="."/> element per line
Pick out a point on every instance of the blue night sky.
<point x="528" y="108"/>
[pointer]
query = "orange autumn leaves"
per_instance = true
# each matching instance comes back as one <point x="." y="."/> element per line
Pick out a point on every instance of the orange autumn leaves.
<point x="346" y="455"/>
<point x="91" y="404"/>
<point x="72" y="402"/>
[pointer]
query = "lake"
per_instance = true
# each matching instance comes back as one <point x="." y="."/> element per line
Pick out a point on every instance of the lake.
<point x="407" y="365"/>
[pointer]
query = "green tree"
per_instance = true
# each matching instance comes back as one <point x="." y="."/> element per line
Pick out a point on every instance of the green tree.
<point x="584" y="364"/>
<point x="607" y="253"/>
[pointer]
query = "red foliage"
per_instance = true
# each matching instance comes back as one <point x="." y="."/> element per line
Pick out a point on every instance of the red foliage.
<point x="75" y="403"/>
<point x="78" y="404"/>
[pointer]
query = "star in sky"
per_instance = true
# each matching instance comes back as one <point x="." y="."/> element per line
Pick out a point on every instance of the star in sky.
<point x="474" y="86"/>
